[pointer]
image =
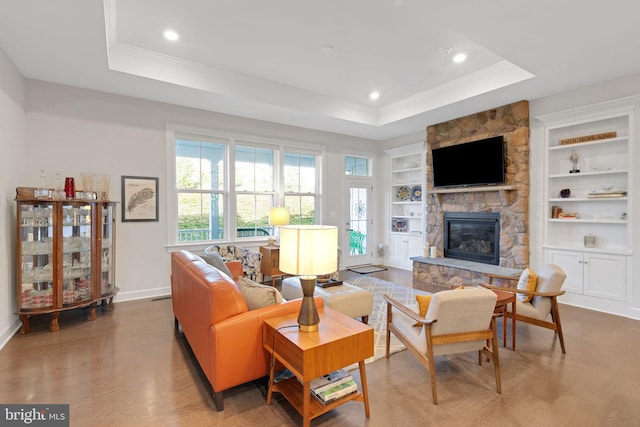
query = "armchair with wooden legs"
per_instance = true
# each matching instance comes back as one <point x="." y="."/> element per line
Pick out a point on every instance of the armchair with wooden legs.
<point x="549" y="280"/>
<point x="456" y="321"/>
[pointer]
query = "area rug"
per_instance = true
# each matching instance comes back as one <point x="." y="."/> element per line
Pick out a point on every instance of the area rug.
<point x="378" y="316"/>
<point x="366" y="269"/>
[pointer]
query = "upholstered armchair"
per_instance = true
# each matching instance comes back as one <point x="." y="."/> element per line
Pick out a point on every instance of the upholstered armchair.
<point x="537" y="299"/>
<point x="456" y="321"/>
<point x="250" y="259"/>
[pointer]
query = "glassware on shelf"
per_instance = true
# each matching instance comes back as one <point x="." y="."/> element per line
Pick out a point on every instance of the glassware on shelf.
<point x="58" y="193"/>
<point x="42" y="192"/>
<point x="70" y="188"/>
<point x="87" y="186"/>
<point x="101" y="185"/>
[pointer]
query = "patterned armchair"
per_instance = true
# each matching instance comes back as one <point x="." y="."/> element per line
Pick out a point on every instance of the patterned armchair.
<point x="250" y="259"/>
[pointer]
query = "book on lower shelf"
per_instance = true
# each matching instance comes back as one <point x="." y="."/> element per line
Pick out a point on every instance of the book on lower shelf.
<point x="329" y="380"/>
<point x="336" y="391"/>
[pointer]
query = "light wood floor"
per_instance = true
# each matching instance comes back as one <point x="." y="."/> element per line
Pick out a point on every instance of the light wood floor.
<point x="129" y="368"/>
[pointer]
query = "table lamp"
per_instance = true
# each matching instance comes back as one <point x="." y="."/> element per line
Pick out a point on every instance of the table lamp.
<point x="278" y="216"/>
<point x="307" y="251"/>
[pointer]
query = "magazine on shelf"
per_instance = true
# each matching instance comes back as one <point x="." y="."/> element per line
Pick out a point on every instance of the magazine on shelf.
<point x="337" y="391"/>
<point x="329" y="380"/>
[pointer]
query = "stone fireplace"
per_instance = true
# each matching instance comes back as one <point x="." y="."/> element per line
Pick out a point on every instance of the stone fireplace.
<point x="509" y="202"/>
<point x="472" y="236"/>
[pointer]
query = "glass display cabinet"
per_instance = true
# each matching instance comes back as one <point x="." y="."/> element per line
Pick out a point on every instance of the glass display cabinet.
<point x="65" y="256"/>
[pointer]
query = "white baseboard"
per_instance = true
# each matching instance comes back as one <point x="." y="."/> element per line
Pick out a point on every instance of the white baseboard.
<point x="147" y="293"/>
<point x="9" y="332"/>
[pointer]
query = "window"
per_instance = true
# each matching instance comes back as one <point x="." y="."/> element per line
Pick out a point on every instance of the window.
<point x="245" y="178"/>
<point x="200" y="185"/>
<point x="301" y="187"/>
<point x="255" y="190"/>
<point x="357" y="166"/>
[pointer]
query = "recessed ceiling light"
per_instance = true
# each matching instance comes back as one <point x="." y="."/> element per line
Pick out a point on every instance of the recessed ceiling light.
<point x="171" y="35"/>
<point x="459" y="57"/>
<point x="374" y="95"/>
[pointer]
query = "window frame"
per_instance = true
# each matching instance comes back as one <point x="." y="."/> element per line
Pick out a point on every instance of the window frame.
<point x="280" y="146"/>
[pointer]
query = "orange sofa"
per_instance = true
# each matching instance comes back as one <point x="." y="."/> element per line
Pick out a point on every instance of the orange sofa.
<point x="224" y="335"/>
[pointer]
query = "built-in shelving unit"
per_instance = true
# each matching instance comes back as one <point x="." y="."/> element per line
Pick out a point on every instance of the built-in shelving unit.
<point x="588" y="200"/>
<point x="407" y="226"/>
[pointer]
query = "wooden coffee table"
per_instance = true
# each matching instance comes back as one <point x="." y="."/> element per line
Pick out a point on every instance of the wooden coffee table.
<point x="340" y="341"/>
<point x="505" y="298"/>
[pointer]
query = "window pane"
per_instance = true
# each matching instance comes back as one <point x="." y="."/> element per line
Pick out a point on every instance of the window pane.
<point x="301" y="208"/>
<point x="200" y="217"/>
<point x="199" y="165"/>
<point x="361" y="167"/>
<point x="253" y="215"/>
<point x="358" y="166"/>
<point x="299" y="173"/>
<point x="254" y="169"/>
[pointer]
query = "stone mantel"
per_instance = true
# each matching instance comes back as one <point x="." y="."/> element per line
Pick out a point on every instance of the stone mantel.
<point x="477" y="267"/>
<point x="474" y="189"/>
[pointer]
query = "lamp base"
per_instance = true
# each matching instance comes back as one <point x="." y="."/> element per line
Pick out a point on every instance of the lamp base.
<point x="310" y="328"/>
<point x="308" y="317"/>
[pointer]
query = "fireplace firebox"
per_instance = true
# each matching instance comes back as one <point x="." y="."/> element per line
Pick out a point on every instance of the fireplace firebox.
<point x="472" y="236"/>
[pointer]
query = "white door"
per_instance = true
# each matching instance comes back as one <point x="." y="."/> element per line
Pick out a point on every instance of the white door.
<point x="358" y="227"/>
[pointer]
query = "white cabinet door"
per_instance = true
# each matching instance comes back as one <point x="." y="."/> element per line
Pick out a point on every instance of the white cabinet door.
<point x="402" y="248"/>
<point x="592" y="274"/>
<point x="398" y="246"/>
<point x="605" y="276"/>
<point x="572" y="264"/>
<point x="415" y="249"/>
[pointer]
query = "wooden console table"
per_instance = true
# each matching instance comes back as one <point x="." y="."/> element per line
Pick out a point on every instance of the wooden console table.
<point x="340" y="341"/>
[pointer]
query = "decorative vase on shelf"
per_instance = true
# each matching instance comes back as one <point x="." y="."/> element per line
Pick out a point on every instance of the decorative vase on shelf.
<point x="574" y="160"/>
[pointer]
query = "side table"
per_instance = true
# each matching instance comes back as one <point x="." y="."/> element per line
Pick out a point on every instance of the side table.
<point x="270" y="262"/>
<point x="339" y="341"/>
<point x="505" y="298"/>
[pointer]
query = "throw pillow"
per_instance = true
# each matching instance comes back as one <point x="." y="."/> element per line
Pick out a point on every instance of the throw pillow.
<point x="214" y="259"/>
<point x="423" y="306"/>
<point x="527" y="282"/>
<point x="257" y="295"/>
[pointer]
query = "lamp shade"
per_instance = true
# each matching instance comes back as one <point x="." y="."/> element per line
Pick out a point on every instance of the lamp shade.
<point x="279" y="216"/>
<point x="308" y="250"/>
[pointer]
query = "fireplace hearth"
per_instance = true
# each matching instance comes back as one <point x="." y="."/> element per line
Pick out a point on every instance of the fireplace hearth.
<point x="472" y="236"/>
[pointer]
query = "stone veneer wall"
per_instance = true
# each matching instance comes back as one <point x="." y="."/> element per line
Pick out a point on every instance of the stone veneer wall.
<point x="511" y="121"/>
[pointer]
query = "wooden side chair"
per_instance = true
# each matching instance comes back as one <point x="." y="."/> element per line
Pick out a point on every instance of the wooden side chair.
<point x="456" y="321"/>
<point x="534" y="306"/>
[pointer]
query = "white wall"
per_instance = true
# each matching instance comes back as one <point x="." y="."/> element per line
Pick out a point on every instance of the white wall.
<point x="12" y="137"/>
<point x="73" y="130"/>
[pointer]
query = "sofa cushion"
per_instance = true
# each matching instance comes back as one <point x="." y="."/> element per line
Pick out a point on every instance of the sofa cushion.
<point x="214" y="259"/>
<point x="423" y="306"/>
<point x="527" y="282"/>
<point x="257" y="295"/>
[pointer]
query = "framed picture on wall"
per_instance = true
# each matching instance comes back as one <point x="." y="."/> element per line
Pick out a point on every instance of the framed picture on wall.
<point x="139" y="198"/>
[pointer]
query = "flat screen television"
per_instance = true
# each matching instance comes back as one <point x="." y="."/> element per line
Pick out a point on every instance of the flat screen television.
<point x="472" y="163"/>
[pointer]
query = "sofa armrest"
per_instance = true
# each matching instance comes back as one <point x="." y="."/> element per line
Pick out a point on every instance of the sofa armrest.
<point x="235" y="267"/>
<point x="237" y="352"/>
